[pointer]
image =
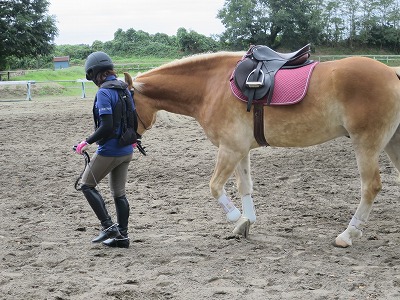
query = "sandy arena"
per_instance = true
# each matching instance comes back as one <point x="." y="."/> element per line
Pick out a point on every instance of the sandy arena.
<point x="181" y="246"/>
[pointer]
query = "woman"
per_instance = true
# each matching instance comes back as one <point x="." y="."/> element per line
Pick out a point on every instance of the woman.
<point x="110" y="158"/>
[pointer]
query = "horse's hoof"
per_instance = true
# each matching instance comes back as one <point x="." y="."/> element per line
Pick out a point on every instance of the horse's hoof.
<point x="339" y="243"/>
<point x="242" y="227"/>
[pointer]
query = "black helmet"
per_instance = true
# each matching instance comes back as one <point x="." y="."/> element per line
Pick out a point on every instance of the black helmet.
<point x="96" y="62"/>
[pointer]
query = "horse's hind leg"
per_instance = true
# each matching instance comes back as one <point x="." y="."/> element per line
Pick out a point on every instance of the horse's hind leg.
<point x="367" y="160"/>
<point x="392" y="149"/>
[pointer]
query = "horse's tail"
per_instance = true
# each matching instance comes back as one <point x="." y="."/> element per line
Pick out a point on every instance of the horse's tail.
<point x="131" y="83"/>
<point x="397" y="70"/>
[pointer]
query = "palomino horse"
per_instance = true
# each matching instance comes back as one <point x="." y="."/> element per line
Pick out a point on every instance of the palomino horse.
<point x="355" y="97"/>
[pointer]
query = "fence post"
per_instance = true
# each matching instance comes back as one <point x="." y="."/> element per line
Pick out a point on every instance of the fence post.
<point x="82" y="81"/>
<point x="83" y="90"/>
<point x="28" y="90"/>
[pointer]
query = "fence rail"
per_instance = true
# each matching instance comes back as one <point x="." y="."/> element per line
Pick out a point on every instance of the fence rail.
<point x="9" y="74"/>
<point x="387" y="59"/>
<point x="29" y="84"/>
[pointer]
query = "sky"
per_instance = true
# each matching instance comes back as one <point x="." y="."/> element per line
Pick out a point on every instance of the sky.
<point x="84" y="21"/>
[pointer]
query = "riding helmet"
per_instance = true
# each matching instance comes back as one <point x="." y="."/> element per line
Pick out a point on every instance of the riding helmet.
<point x="97" y="62"/>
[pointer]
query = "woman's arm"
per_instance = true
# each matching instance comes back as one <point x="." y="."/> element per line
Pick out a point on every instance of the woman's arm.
<point x="104" y="131"/>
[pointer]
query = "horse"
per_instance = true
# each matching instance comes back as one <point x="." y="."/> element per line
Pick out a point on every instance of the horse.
<point x="357" y="97"/>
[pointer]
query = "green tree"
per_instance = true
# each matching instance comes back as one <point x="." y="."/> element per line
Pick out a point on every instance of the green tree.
<point x="191" y="42"/>
<point x="74" y="51"/>
<point x="97" y="46"/>
<point x="351" y="13"/>
<point x="332" y="23"/>
<point x="275" y="23"/>
<point x="299" y="22"/>
<point x="26" y="29"/>
<point x="245" y="22"/>
<point x="163" y="38"/>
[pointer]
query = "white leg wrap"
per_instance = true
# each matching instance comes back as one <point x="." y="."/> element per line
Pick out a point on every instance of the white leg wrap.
<point x="356" y="223"/>
<point x="232" y="213"/>
<point x="248" y="208"/>
<point x="353" y="231"/>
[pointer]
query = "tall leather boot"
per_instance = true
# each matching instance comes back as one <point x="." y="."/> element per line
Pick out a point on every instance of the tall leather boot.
<point x="110" y="230"/>
<point x="122" y="210"/>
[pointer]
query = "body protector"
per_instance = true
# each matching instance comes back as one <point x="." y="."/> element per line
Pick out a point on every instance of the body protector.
<point x="124" y="115"/>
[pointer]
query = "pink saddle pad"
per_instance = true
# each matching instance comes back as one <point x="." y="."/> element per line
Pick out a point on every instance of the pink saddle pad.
<point x="290" y="86"/>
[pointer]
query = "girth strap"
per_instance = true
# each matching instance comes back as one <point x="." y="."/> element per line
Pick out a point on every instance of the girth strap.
<point x="258" y="114"/>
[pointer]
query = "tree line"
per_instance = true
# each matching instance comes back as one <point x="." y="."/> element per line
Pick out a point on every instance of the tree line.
<point x="290" y="24"/>
<point x="27" y="31"/>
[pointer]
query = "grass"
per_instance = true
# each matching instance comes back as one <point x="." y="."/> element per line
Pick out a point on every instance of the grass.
<point x="71" y="73"/>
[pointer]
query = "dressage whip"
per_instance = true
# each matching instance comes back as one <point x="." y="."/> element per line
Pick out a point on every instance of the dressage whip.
<point x="87" y="161"/>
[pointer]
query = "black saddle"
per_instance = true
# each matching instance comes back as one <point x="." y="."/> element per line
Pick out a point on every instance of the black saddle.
<point x="255" y="74"/>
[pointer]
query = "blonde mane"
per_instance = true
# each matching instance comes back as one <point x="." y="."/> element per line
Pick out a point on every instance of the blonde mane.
<point x="190" y="59"/>
<point x="185" y="60"/>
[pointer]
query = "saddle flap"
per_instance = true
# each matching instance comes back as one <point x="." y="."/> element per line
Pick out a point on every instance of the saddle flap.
<point x="244" y="75"/>
<point x="242" y="71"/>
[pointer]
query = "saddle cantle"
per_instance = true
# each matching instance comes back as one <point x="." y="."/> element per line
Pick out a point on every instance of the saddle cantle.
<point x="255" y="74"/>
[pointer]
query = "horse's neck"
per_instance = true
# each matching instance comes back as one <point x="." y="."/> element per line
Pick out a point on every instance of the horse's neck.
<point x="181" y="88"/>
<point x="177" y="92"/>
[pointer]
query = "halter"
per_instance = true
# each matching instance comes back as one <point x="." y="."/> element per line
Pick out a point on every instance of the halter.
<point x="139" y="142"/>
<point x="141" y="122"/>
<point x="132" y="90"/>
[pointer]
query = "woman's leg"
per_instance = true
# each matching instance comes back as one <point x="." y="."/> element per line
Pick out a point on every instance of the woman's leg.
<point x="96" y="170"/>
<point x="117" y="181"/>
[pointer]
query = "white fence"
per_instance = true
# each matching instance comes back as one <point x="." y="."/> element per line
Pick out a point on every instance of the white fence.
<point x="29" y="84"/>
<point x="81" y="82"/>
<point x="392" y="60"/>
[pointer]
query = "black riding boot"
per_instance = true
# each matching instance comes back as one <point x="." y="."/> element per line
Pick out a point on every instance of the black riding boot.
<point x="122" y="210"/>
<point x="110" y="230"/>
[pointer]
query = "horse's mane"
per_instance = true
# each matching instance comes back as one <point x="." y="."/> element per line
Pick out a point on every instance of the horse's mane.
<point x="192" y="59"/>
<point x="199" y="57"/>
<point x="203" y="57"/>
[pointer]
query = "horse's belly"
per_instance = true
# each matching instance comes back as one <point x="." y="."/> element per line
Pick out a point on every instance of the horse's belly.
<point x="291" y="128"/>
<point x="301" y="139"/>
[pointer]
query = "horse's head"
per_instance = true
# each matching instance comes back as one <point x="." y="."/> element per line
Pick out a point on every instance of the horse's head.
<point x="145" y="112"/>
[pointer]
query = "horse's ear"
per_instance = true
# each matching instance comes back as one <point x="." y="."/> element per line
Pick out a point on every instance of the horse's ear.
<point x="128" y="80"/>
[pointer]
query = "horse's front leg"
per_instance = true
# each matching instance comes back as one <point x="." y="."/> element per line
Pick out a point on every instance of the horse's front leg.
<point x="227" y="160"/>
<point x="370" y="187"/>
<point x="245" y="188"/>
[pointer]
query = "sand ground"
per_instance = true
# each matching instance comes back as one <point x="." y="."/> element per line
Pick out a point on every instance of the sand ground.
<point x="181" y="245"/>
